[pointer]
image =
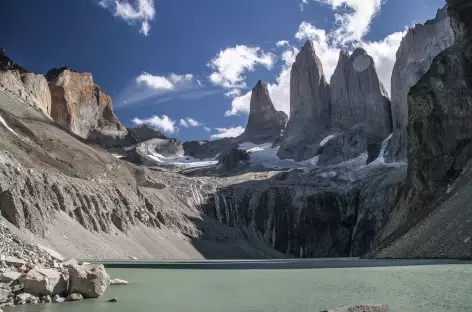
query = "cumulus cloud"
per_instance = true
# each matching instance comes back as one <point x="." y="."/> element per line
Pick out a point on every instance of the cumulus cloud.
<point x="132" y="11"/>
<point x="229" y="65"/>
<point x="279" y="91"/>
<point x="282" y="43"/>
<point x="162" y="123"/>
<point x="227" y="132"/>
<point x="189" y="122"/>
<point x="164" y="83"/>
<point x="207" y="129"/>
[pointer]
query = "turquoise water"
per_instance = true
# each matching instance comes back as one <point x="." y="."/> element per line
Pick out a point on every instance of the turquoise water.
<point x="429" y="288"/>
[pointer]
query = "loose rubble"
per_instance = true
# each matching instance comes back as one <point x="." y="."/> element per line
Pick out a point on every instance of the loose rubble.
<point x="31" y="274"/>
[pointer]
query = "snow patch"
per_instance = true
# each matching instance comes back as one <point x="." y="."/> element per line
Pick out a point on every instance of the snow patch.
<point x="326" y="140"/>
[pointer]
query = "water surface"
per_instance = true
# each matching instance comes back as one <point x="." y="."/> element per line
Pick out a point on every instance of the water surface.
<point x="419" y="288"/>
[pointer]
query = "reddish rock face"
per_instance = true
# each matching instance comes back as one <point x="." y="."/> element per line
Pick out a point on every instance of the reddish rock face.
<point x="80" y="105"/>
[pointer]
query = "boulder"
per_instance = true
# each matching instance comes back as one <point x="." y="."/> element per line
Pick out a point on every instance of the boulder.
<point x="89" y="280"/>
<point x="113" y="300"/>
<point x="358" y="96"/>
<point x="25" y="298"/>
<point x="117" y="281"/>
<point x="265" y="124"/>
<point x="362" y="308"/>
<point x="232" y="159"/>
<point x="80" y="106"/>
<point x="309" y="107"/>
<point x="58" y="298"/>
<point x="16" y="262"/>
<point x="9" y="276"/>
<point x="418" y="48"/>
<point x="43" y="282"/>
<point x="46" y="299"/>
<point x="74" y="297"/>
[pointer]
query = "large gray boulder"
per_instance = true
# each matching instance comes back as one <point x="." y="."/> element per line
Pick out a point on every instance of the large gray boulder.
<point x="418" y="48"/>
<point x="309" y="107"/>
<point x="358" y="96"/>
<point x="44" y="282"/>
<point x="265" y="124"/>
<point x="232" y="159"/>
<point x="89" y="280"/>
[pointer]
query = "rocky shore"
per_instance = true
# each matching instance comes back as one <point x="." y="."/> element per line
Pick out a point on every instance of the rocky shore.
<point x="32" y="274"/>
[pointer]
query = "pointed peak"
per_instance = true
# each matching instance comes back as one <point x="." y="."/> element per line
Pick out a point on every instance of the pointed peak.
<point x="359" y="51"/>
<point x="308" y="46"/>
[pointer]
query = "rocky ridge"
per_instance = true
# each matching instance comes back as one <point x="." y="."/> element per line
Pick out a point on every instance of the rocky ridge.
<point x="418" y="48"/>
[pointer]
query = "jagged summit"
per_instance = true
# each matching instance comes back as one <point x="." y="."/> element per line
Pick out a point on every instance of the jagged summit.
<point x="265" y="123"/>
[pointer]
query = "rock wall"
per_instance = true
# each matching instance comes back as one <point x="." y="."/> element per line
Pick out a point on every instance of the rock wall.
<point x="309" y="107"/>
<point x="265" y="124"/>
<point x="312" y="215"/>
<point x="80" y="106"/>
<point x="419" y="47"/>
<point x="358" y="96"/>
<point x="29" y="87"/>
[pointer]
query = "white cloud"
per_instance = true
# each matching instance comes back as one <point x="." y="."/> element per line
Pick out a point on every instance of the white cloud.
<point x="230" y="65"/>
<point x="207" y="129"/>
<point x="164" y="83"/>
<point x="132" y="11"/>
<point x="163" y="123"/>
<point x="233" y="93"/>
<point x="279" y="91"/>
<point x="353" y="18"/>
<point x="227" y="132"/>
<point x="282" y="43"/>
<point x="189" y="122"/>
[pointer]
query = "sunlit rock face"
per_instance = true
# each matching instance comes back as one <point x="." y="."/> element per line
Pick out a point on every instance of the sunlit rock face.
<point x="358" y="96"/>
<point x="309" y="107"/>
<point x="79" y="105"/>
<point x="417" y="50"/>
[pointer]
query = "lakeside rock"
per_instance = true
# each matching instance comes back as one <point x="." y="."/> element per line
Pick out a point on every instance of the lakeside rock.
<point x="362" y="308"/>
<point x="117" y="281"/>
<point x="89" y="280"/>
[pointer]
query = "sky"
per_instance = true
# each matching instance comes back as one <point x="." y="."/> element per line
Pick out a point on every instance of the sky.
<point x="187" y="67"/>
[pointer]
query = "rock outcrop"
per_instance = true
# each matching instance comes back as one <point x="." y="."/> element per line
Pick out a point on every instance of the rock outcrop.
<point x="309" y="107"/>
<point x="265" y="124"/>
<point x="232" y="159"/>
<point x="419" y="47"/>
<point x="31" y="88"/>
<point x="439" y="150"/>
<point x="362" y="308"/>
<point x="208" y="149"/>
<point x="358" y="96"/>
<point x="89" y="280"/>
<point x="80" y="106"/>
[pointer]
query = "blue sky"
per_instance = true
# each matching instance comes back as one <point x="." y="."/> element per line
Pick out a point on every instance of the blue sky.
<point x="194" y="60"/>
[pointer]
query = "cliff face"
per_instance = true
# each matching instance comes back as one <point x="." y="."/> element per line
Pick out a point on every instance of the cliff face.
<point x="439" y="154"/>
<point x="309" y="107"/>
<point x="265" y="124"/>
<point x="418" y="48"/>
<point x="80" y="105"/>
<point x="29" y="87"/>
<point x="358" y="96"/>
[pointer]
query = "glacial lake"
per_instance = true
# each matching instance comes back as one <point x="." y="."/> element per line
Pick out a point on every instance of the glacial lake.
<point x="280" y="286"/>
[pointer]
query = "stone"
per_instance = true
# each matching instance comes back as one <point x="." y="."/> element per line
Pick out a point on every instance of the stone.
<point x="232" y="159"/>
<point x="74" y="297"/>
<point x="418" y="48"/>
<point x="80" y="106"/>
<point x="58" y="298"/>
<point x="115" y="299"/>
<point x="309" y="107"/>
<point x="117" y="281"/>
<point x="265" y="124"/>
<point x="47" y="299"/>
<point x="358" y="96"/>
<point x="90" y="280"/>
<point x="54" y="254"/>
<point x="25" y="298"/>
<point x="362" y="308"/>
<point x="43" y="282"/>
<point x="9" y="260"/>
<point x="4" y="295"/>
<point x="70" y="262"/>
<point x="9" y="276"/>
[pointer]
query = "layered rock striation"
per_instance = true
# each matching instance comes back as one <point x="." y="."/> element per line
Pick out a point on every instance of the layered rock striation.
<point x="265" y="124"/>
<point x="418" y="48"/>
